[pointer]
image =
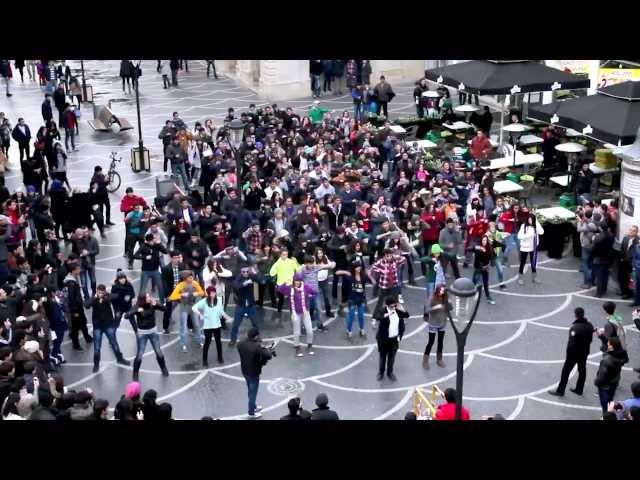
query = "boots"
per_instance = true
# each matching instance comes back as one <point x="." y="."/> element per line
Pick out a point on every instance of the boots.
<point x="533" y="277"/>
<point x="163" y="366"/>
<point x="425" y="361"/>
<point x="520" y="280"/>
<point x="136" y="369"/>
<point x="121" y="360"/>
<point x="439" y="361"/>
<point x="96" y="366"/>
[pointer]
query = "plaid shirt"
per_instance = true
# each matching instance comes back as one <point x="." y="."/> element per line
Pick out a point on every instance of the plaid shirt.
<point x="254" y="241"/>
<point x="388" y="271"/>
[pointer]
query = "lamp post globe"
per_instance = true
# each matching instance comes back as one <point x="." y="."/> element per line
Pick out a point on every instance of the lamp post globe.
<point x="236" y="132"/>
<point x="465" y="296"/>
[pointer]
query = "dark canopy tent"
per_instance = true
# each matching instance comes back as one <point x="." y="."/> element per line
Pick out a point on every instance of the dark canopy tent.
<point x="613" y="113"/>
<point x="498" y="77"/>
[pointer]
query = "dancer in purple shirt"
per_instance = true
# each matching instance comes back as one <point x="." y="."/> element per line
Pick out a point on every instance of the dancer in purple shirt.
<point x="300" y="296"/>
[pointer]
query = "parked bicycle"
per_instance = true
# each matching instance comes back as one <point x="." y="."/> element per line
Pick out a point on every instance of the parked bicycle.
<point x="112" y="175"/>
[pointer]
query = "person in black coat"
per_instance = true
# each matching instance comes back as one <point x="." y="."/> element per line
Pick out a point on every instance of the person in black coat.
<point x="390" y="332"/>
<point x="22" y="135"/>
<point x="104" y="323"/>
<point x="323" y="412"/>
<point x="608" y="376"/>
<point x="75" y="306"/>
<point x="625" y="267"/>
<point x="47" y="110"/>
<point x="580" y="338"/>
<point x="126" y="72"/>
<point x="60" y="101"/>
<point x="175" y="66"/>
<point x="296" y="412"/>
<point x="170" y="278"/>
<point x="253" y="356"/>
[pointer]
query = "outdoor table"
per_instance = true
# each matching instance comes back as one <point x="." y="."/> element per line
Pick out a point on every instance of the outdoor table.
<point x="555" y="234"/>
<point x="506" y="186"/>
<point x="457" y="126"/>
<point x="521" y="159"/>
<point x="600" y="171"/>
<point x="397" y="129"/>
<point x="422" y="143"/>
<point x="562" y="180"/>
<point x="528" y="140"/>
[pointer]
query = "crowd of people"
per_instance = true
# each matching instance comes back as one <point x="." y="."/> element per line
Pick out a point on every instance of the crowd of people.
<point x="305" y="212"/>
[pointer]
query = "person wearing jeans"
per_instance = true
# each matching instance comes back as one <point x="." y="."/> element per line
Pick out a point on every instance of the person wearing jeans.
<point x="187" y="292"/>
<point x="70" y="124"/>
<point x="178" y="157"/>
<point x="104" y="323"/>
<point x="211" y="310"/>
<point x="243" y="287"/>
<point x="608" y="376"/>
<point x="253" y="356"/>
<point x="150" y="254"/>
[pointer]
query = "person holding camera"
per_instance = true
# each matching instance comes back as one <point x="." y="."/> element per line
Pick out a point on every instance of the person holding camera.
<point x="253" y="356"/>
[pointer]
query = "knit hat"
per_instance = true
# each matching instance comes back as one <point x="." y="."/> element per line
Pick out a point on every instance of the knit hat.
<point x="31" y="346"/>
<point x="436" y="249"/>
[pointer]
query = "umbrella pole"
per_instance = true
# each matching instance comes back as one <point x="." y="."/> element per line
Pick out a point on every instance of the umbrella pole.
<point x="502" y="121"/>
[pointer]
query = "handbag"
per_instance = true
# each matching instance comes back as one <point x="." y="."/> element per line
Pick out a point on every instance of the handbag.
<point x="77" y="112"/>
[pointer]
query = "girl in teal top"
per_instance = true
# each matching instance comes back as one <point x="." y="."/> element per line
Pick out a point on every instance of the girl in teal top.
<point x="211" y="311"/>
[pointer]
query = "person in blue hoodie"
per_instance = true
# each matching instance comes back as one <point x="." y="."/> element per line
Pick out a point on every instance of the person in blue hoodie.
<point x="57" y="323"/>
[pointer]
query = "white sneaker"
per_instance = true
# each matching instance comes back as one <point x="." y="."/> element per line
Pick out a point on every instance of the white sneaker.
<point x="254" y="416"/>
<point x="374" y="324"/>
<point x="400" y="299"/>
<point x="258" y="408"/>
<point x="184" y="348"/>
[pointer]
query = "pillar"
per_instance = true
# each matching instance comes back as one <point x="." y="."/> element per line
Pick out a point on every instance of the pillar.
<point x="246" y="72"/>
<point x="283" y="79"/>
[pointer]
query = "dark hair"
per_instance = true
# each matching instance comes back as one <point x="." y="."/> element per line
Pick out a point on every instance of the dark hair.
<point x="609" y="307"/>
<point x="207" y="418"/>
<point x="174" y="253"/>
<point x="45" y="398"/>
<point x="450" y="395"/>
<point x="635" y="389"/>
<point x="579" y="312"/>
<point x="99" y="406"/>
<point x="11" y="405"/>
<point x="410" y="416"/>
<point x="293" y="405"/>
<point x="615" y="343"/>
<point x="436" y="299"/>
<point x="6" y="368"/>
<point x="165" y="411"/>
<point x="609" y="416"/>
<point x="634" y="413"/>
<point x="124" y="410"/>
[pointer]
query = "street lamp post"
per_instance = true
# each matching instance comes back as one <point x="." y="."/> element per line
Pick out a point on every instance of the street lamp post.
<point x="466" y="300"/>
<point x="84" y="83"/>
<point x="137" y="87"/>
<point x="235" y="137"/>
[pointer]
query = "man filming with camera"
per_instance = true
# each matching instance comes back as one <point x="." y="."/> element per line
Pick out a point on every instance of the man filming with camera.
<point x="254" y="356"/>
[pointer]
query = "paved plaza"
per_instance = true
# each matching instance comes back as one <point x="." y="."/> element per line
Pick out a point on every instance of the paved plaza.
<point x="514" y="352"/>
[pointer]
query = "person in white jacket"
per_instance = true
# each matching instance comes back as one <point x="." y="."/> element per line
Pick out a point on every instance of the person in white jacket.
<point x="165" y="71"/>
<point x="529" y="234"/>
<point x="213" y="275"/>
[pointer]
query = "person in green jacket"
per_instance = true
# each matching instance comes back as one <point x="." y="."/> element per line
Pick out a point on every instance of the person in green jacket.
<point x="435" y="271"/>
<point x="283" y="271"/>
<point x="316" y="113"/>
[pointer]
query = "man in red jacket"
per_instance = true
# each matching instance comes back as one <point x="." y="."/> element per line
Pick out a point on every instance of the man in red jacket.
<point x="129" y="201"/>
<point x="447" y="411"/>
<point x="477" y="226"/>
<point x="480" y="146"/>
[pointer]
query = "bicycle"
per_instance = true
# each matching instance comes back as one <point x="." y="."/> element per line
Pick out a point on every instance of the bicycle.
<point x="114" y="177"/>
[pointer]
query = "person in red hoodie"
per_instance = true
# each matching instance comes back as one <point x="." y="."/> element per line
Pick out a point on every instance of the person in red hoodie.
<point x="432" y="221"/>
<point x="130" y="200"/>
<point x="447" y="411"/>
<point x="477" y="226"/>
<point x="70" y="123"/>
<point x="511" y="220"/>
<point x="480" y="146"/>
